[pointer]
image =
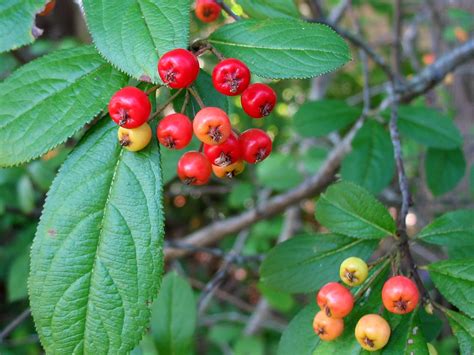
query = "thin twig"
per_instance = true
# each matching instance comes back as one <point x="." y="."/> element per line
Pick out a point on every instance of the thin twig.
<point x="165" y="105"/>
<point x="228" y="10"/>
<point x="185" y="103"/>
<point x="152" y="89"/>
<point x="196" y="97"/>
<point x="14" y="323"/>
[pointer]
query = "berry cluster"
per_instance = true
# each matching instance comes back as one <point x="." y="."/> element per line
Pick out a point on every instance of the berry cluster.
<point x="399" y="295"/>
<point x="223" y="151"/>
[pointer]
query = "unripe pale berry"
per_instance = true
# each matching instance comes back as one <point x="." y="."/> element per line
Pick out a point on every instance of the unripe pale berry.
<point x="229" y="171"/>
<point x="231" y="77"/>
<point x="135" y="139"/>
<point x="212" y="126"/>
<point x="327" y="328"/>
<point x="175" y="131"/>
<point x="400" y="295"/>
<point x="178" y="68"/>
<point x="372" y="332"/>
<point x="335" y="300"/>
<point x="353" y="271"/>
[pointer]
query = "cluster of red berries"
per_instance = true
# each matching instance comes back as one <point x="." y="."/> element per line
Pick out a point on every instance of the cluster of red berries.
<point x="223" y="151"/>
<point x="399" y="295"/>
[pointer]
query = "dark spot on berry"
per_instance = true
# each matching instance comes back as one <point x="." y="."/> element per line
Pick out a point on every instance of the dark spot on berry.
<point x="189" y="180"/>
<point x="401" y="305"/>
<point x="266" y="109"/>
<point x="125" y="140"/>
<point x="169" y="143"/>
<point x="369" y="342"/>
<point x="327" y="311"/>
<point x="170" y="76"/>
<point x="350" y="276"/>
<point x="223" y="160"/>
<point x="215" y="134"/>
<point x="320" y="331"/>
<point x="124" y="117"/>
<point x="260" y="155"/>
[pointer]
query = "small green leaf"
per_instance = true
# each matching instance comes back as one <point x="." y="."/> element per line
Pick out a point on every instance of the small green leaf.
<point x="348" y="209"/>
<point x="455" y="280"/>
<point x="318" y="118"/>
<point x="133" y="34"/>
<point x="444" y="169"/>
<point x="18" y="276"/>
<point x="371" y="163"/>
<point x="282" y="48"/>
<point x="247" y="345"/>
<point x="301" y="264"/>
<point x="97" y="257"/>
<point x="407" y="338"/>
<point x="279" y="172"/>
<point x="17" y="18"/>
<point x="429" y="127"/>
<point x="463" y="329"/>
<point x="454" y="228"/>
<point x="173" y="320"/>
<point x="48" y="100"/>
<point x="299" y="337"/>
<point x="262" y="9"/>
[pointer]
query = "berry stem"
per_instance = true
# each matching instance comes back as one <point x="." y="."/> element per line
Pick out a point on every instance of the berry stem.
<point x="218" y="54"/>
<point x="371" y="279"/>
<point x="201" y="147"/>
<point x="153" y="89"/>
<point x="165" y="105"/>
<point x="196" y="96"/>
<point x="185" y="103"/>
<point x="228" y="10"/>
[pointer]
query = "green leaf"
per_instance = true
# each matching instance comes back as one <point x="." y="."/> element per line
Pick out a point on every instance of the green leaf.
<point x="444" y="169"/>
<point x="279" y="172"/>
<point x="249" y="345"/>
<point x="318" y="118"/>
<point x="278" y="300"/>
<point x="48" y="100"/>
<point x="305" y="263"/>
<point x="133" y="34"/>
<point x="17" y="18"/>
<point x="455" y="280"/>
<point x="173" y="320"/>
<point x="371" y="163"/>
<point x="299" y="337"/>
<point x="146" y="347"/>
<point x="262" y="9"/>
<point x="463" y="329"/>
<point x="429" y="127"/>
<point x="348" y="209"/>
<point x="454" y="228"/>
<point x="97" y="258"/>
<point x="407" y="338"/>
<point x="17" y="277"/>
<point x="25" y="194"/>
<point x="282" y="48"/>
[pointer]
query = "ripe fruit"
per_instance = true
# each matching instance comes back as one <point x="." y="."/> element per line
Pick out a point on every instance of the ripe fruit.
<point x="327" y="328"/>
<point x="47" y="8"/>
<point x="335" y="300"/>
<point x="460" y="34"/>
<point x="372" y="332"/>
<point x="135" y="139"/>
<point x="194" y="168"/>
<point x="353" y="271"/>
<point x="207" y="10"/>
<point x="258" y="100"/>
<point x="400" y="295"/>
<point x="129" y="107"/>
<point x="255" y="145"/>
<point x="231" y="77"/>
<point x="224" y="154"/>
<point x="428" y="58"/>
<point x="175" y="131"/>
<point x="229" y="171"/>
<point x="212" y="126"/>
<point x="178" y="68"/>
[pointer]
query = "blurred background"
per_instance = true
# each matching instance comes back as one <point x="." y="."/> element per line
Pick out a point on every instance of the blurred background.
<point x="431" y="28"/>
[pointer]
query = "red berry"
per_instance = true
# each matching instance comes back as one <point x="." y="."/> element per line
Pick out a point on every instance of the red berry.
<point x="231" y="77"/>
<point x="212" y="126"/>
<point x="335" y="300"/>
<point x="327" y="328"/>
<point x="47" y="8"/>
<point x="258" y="100"/>
<point x="224" y="154"/>
<point x="129" y="107"/>
<point x="178" y="68"/>
<point x="400" y="295"/>
<point x="194" y="168"/>
<point x="175" y="131"/>
<point x="255" y="145"/>
<point x="207" y="10"/>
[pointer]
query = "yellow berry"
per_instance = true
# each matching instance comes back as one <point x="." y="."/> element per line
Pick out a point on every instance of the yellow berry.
<point x="353" y="271"/>
<point x="372" y="332"/>
<point x="135" y="139"/>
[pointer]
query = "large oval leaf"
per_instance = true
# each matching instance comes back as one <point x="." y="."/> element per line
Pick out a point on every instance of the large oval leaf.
<point x="49" y="99"/>
<point x="371" y="163"/>
<point x="262" y="9"/>
<point x="348" y="209"/>
<point x="174" y="316"/>
<point x="318" y="118"/>
<point x="282" y="48"/>
<point x="444" y="169"/>
<point x="133" y="34"/>
<point x="300" y="264"/>
<point x="17" y="18"/>
<point x="97" y="257"/>
<point x="463" y="329"/>
<point x="454" y="228"/>
<point x="455" y="280"/>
